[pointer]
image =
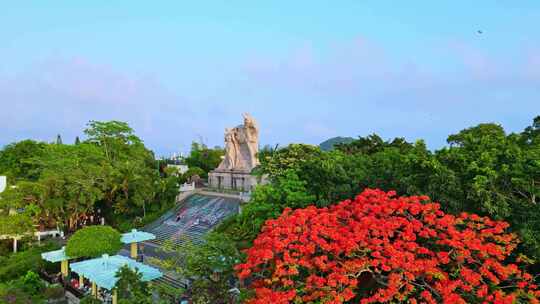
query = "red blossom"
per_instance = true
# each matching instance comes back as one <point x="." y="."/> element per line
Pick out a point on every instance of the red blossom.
<point x="383" y="248"/>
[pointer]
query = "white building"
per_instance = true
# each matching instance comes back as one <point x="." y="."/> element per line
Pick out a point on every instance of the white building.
<point x="3" y="183"/>
<point x="180" y="169"/>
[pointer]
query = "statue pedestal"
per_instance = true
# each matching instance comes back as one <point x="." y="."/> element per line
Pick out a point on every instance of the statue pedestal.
<point x="232" y="179"/>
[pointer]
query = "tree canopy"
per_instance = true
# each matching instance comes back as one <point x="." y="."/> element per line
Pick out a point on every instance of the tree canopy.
<point x="483" y="170"/>
<point x="205" y="158"/>
<point x="110" y="170"/>
<point x="94" y="241"/>
<point x="209" y="266"/>
<point x="131" y="288"/>
<point x="381" y="248"/>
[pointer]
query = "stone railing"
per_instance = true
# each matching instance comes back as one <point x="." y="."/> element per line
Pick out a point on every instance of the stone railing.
<point x="187" y="187"/>
<point x="184" y="195"/>
<point x="245" y="196"/>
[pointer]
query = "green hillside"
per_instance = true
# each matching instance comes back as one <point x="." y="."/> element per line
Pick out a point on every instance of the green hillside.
<point x="328" y="144"/>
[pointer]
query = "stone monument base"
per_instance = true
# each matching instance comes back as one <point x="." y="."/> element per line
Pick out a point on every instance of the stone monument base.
<point x="232" y="179"/>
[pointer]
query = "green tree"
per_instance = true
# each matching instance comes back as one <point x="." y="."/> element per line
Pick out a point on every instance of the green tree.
<point x="192" y="171"/>
<point x="203" y="157"/>
<point x="15" y="265"/>
<point x="16" y="160"/>
<point x="132" y="177"/>
<point x="94" y="241"/>
<point x="16" y="226"/>
<point x="531" y="134"/>
<point x="291" y="157"/>
<point x="483" y="170"/>
<point x="499" y="175"/>
<point x="372" y="144"/>
<point x="73" y="178"/>
<point x="114" y="137"/>
<point x="168" y="187"/>
<point x="131" y="288"/>
<point x="112" y="170"/>
<point x="209" y="267"/>
<point x="267" y="201"/>
<point x="32" y="283"/>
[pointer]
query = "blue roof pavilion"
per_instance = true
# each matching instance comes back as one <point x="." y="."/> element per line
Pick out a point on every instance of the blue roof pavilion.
<point x="55" y="256"/>
<point x="102" y="271"/>
<point x="58" y="256"/>
<point x="136" y="236"/>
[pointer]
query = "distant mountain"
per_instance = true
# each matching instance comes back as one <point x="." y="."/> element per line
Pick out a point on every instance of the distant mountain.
<point x="328" y="144"/>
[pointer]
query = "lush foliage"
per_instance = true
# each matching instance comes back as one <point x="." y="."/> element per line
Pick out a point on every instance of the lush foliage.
<point x="204" y="158"/>
<point x="484" y="170"/>
<point x="267" y="201"/>
<point x="17" y="224"/>
<point x="131" y="288"/>
<point x="94" y="241"/>
<point x="28" y="289"/>
<point x="383" y="248"/>
<point x="110" y="171"/>
<point x="14" y="265"/>
<point x="16" y="159"/>
<point x="209" y="267"/>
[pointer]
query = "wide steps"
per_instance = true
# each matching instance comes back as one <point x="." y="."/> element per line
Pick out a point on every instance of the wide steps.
<point x="171" y="281"/>
<point x="199" y="214"/>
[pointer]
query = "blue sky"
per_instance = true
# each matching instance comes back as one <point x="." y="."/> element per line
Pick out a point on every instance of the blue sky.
<point x="179" y="71"/>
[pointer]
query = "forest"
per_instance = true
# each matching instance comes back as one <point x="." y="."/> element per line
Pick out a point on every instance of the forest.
<point x="483" y="171"/>
<point x="466" y="215"/>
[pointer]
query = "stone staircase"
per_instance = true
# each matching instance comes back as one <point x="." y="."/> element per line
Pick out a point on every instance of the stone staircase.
<point x="199" y="214"/>
<point x="171" y="281"/>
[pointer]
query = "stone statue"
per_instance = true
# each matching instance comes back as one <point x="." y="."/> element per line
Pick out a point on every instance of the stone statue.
<point x="241" y="146"/>
<point x="252" y="139"/>
<point x="231" y="151"/>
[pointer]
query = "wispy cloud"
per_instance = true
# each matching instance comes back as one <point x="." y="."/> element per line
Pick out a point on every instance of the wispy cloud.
<point x="311" y="92"/>
<point x="61" y="95"/>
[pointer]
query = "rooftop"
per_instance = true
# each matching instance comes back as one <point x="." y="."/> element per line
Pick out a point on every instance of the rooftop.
<point x="102" y="271"/>
<point x="136" y="236"/>
<point x="56" y="255"/>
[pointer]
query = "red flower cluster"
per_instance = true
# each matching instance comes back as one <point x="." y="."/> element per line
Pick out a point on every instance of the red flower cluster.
<point x="383" y="248"/>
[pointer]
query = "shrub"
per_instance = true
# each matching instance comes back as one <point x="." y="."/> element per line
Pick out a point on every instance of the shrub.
<point x="382" y="248"/>
<point x="32" y="283"/>
<point x="12" y="294"/>
<point x="26" y="289"/>
<point x="93" y="241"/>
<point x="90" y="300"/>
<point x="17" y="264"/>
<point x="54" y="292"/>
